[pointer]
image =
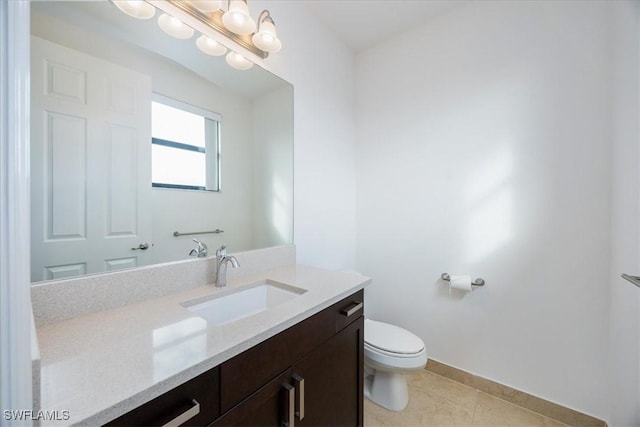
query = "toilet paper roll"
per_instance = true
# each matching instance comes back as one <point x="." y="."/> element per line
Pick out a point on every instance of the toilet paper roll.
<point x="460" y="282"/>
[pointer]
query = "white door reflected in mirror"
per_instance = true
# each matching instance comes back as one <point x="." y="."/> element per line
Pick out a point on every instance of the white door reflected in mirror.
<point x="90" y="196"/>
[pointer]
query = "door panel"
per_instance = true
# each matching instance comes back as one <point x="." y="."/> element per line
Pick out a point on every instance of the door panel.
<point x="122" y="165"/>
<point x="91" y="164"/>
<point x="66" y="176"/>
<point x="64" y="271"/>
<point x="269" y="406"/>
<point x="119" y="264"/>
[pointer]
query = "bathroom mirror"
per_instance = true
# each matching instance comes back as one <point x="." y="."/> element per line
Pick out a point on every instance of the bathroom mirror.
<point x="95" y="73"/>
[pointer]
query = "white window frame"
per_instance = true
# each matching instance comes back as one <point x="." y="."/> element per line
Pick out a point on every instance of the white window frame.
<point x="212" y="148"/>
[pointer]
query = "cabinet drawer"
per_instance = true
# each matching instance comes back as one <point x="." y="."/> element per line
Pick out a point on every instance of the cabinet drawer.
<point x="245" y="373"/>
<point x="197" y="402"/>
<point x="349" y="310"/>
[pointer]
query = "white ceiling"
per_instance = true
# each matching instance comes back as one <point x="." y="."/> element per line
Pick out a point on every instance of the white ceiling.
<point x="362" y="24"/>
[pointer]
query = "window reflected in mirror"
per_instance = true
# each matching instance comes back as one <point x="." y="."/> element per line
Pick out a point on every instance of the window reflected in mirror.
<point x="185" y="146"/>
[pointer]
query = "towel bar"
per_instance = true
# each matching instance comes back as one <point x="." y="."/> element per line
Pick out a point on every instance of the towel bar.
<point x="216" y="231"/>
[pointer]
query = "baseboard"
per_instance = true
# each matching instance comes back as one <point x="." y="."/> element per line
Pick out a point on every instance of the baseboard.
<point x="517" y="397"/>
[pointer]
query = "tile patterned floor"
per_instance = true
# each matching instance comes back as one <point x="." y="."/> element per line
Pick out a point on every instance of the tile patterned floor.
<point x="438" y="401"/>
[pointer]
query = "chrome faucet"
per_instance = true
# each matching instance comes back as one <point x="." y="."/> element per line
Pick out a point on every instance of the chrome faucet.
<point x="222" y="259"/>
<point x="201" y="251"/>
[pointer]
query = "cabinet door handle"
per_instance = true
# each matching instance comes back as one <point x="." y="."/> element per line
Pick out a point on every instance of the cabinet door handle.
<point x="299" y="384"/>
<point x="185" y="416"/>
<point x="288" y="405"/>
<point x="356" y="306"/>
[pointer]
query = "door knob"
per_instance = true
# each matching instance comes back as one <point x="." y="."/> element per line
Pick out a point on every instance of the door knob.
<point x="142" y="247"/>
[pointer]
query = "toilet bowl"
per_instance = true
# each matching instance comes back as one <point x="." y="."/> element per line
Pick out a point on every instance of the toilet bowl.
<point x="389" y="353"/>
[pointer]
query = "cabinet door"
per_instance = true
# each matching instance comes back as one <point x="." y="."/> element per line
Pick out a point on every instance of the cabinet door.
<point x="271" y="405"/>
<point x="332" y="377"/>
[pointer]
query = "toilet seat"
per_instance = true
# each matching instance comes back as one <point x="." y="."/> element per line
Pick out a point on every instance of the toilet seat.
<point x="388" y="347"/>
<point x="391" y="339"/>
<point x="371" y="348"/>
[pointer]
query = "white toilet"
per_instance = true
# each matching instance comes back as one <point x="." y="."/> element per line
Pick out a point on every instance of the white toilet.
<point x="390" y="352"/>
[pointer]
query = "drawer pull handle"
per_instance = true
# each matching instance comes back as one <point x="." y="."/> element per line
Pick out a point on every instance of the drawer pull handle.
<point x="185" y="416"/>
<point x="288" y="405"/>
<point x="355" y="307"/>
<point x="299" y="383"/>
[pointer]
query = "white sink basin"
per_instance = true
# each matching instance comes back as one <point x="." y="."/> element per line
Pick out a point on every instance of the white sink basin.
<point x="243" y="302"/>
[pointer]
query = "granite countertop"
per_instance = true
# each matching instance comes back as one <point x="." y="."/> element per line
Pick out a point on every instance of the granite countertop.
<point x="102" y="365"/>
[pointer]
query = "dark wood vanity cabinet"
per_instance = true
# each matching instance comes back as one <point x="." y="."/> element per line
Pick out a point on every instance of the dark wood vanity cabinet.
<point x="323" y="388"/>
<point x="308" y="375"/>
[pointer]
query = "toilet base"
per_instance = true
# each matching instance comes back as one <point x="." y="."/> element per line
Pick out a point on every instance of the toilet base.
<point x="387" y="389"/>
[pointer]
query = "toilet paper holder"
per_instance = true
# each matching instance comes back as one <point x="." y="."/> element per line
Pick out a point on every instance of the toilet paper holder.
<point x="477" y="282"/>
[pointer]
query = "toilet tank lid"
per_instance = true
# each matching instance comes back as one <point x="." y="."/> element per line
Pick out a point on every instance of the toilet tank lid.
<point x="391" y="338"/>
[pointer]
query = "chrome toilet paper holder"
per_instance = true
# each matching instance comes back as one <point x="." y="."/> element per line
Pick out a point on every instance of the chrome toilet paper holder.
<point x="477" y="282"/>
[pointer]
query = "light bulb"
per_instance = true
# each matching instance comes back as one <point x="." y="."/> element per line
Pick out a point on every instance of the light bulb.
<point x="206" y="6"/>
<point x="137" y="8"/>
<point x="237" y="18"/>
<point x="210" y="46"/>
<point x="238" y="61"/>
<point x="266" y="38"/>
<point x="174" y="27"/>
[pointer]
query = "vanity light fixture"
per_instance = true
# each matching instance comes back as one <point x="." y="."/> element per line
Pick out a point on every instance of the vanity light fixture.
<point x="237" y="18"/>
<point x="174" y="27"/>
<point x="207" y="6"/>
<point x="238" y="61"/>
<point x="136" y="8"/>
<point x="266" y="38"/>
<point x="235" y="24"/>
<point x="210" y="46"/>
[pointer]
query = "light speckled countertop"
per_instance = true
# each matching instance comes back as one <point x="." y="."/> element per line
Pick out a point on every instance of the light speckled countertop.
<point x="102" y="365"/>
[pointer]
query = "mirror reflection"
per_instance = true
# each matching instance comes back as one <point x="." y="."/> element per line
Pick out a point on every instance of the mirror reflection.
<point x="137" y="136"/>
<point x="185" y="143"/>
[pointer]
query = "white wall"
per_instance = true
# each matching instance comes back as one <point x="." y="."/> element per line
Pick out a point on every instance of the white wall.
<point x="321" y="69"/>
<point x="272" y="150"/>
<point x="625" y="298"/>
<point x="484" y="148"/>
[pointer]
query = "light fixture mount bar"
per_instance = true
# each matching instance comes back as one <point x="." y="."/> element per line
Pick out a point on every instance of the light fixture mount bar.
<point x="214" y="21"/>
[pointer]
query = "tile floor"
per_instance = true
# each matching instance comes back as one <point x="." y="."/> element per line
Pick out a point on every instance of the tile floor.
<point x="438" y="401"/>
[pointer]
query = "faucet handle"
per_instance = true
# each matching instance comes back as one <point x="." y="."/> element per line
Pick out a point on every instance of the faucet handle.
<point x="201" y="245"/>
<point x="222" y="252"/>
